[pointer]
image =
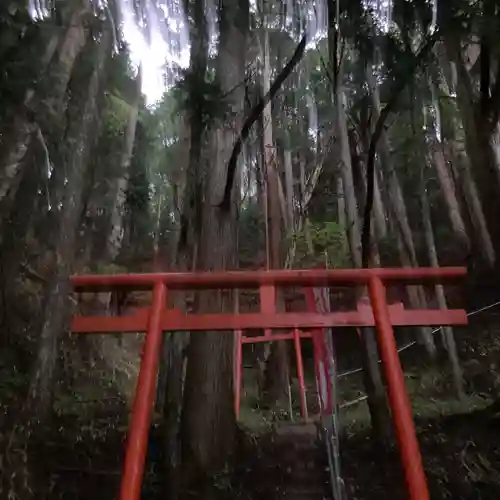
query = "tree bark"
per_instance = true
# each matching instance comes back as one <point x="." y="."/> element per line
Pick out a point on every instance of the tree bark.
<point x="449" y="338"/>
<point x="15" y="230"/>
<point x="52" y="89"/>
<point x="177" y="392"/>
<point x="287" y="160"/>
<point x="404" y="233"/>
<point x="208" y="419"/>
<point x="448" y="190"/>
<point x="461" y="165"/>
<point x="208" y="416"/>
<point x="478" y="143"/>
<point x="372" y="377"/>
<point x="379" y="211"/>
<point x="115" y="235"/>
<point x="56" y="295"/>
<point x="275" y="384"/>
<point x="37" y="406"/>
<point x="444" y="176"/>
<point x="471" y="195"/>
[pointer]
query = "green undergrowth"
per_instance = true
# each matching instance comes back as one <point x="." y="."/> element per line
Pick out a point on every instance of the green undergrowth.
<point x="92" y="415"/>
<point x="458" y="437"/>
<point x="356" y="419"/>
<point x="427" y="398"/>
<point x="430" y="386"/>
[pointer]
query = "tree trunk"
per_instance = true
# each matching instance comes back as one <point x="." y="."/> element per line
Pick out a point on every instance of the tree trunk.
<point x="471" y="195"/>
<point x="351" y="205"/>
<point x="275" y="384"/>
<point x="461" y="165"/>
<point x="172" y="364"/>
<point x="208" y="419"/>
<point x="341" y="211"/>
<point x="56" y="296"/>
<point x="171" y="378"/>
<point x="408" y="257"/>
<point x="16" y="143"/>
<point x="115" y="235"/>
<point x="379" y="212"/>
<point x="416" y="295"/>
<point x="177" y="392"/>
<point x="208" y="416"/>
<point x="190" y="220"/>
<point x="448" y="190"/>
<point x="56" y="306"/>
<point x="16" y="228"/>
<point x="379" y="228"/>
<point x="372" y="377"/>
<point x="371" y="370"/>
<point x="444" y="175"/>
<point x="287" y="157"/>
<point x="449" y="338"/>
<point x="478" y="143"/>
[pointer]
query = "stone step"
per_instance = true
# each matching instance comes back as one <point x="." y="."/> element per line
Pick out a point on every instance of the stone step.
<point x="305" y="485"/>
<point x="301" y="467"/>
<point x="304" y="482"/>
<point x="305" y="493"/>
<point x="293" y="455"/>
<point x="299" y="461"/>
<point x="297" y="429"/>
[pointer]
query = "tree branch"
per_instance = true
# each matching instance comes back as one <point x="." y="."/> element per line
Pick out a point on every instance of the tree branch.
<point x="253" y="117"/>
<point x="399" y="85"/>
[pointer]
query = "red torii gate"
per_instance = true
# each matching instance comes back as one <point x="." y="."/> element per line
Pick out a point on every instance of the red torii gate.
<point x="156" y="319"/>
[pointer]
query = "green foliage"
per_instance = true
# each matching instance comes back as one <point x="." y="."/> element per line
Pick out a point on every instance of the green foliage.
<point x="13" y="381"/>
<point x="202" y="96"/>
<point x="120" y="92"/>
<point x="121" y="75"/>
<point x="139" y="189"/>
<point x="138" y="192"/>
<point x="251" y="233"/>
<point x="327" y="241"/>
<point x="116" y="114"/>
<point x="101" y="268"/>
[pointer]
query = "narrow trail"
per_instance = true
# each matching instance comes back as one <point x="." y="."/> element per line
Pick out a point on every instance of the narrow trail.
<point x="292" y="463"/>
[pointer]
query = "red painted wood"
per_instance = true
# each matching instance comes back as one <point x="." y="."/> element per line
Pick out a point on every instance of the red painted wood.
<point x="172" y="320"/>
<point x="398" y="396"/>
<point x="238" y="371"/>
<point x="300" y="373"/>
<point x="254" y="279"/>
<point x="142" y="409"/>
<point x="267" y="294"/>
<point x="276" y="336"/>
<point x="157" y="318"/>
<point x="321" y="355"/>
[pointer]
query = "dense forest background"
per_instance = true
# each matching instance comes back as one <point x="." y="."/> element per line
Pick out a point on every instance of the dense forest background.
<point x="348" y="133"/>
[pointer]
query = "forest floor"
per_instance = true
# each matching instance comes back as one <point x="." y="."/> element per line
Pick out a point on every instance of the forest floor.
<point x="459" y="439"/>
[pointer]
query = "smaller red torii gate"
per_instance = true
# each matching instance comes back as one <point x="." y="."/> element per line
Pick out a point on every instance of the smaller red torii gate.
<point x="156" y="319"/>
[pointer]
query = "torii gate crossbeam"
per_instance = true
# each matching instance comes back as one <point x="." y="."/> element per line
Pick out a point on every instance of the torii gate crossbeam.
<point x="156" y="319"/>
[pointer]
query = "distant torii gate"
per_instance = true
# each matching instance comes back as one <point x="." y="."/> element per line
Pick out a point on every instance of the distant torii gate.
<point x="156" y="319"/>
